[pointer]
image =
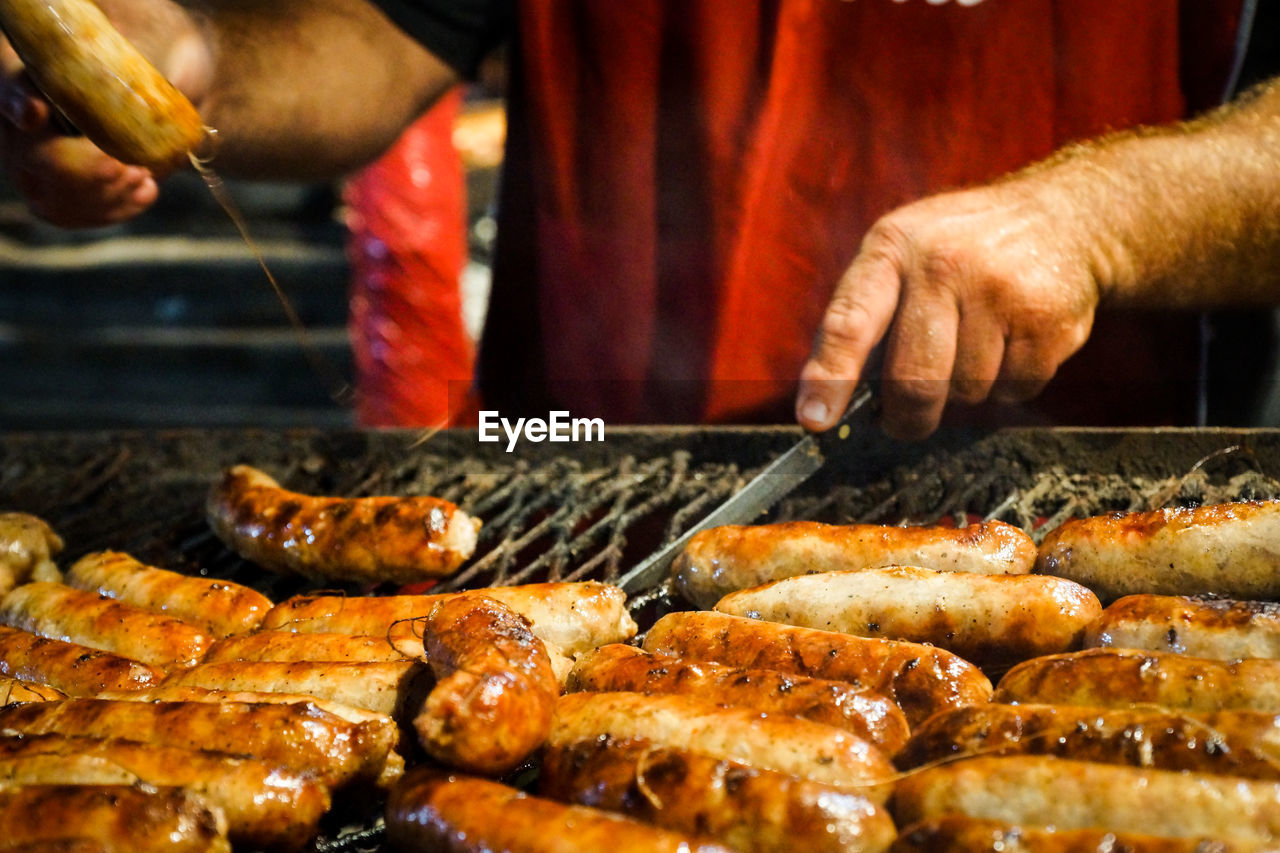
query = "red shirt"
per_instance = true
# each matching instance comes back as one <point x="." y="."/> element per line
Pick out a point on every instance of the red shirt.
<point x="687" y="180"/>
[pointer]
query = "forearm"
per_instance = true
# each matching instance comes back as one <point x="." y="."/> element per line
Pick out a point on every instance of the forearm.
<point x="303" y="89"/>
<point x="1180" y="217"/>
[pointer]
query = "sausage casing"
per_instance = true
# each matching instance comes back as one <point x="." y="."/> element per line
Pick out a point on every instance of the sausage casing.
<point x="460" y="814"/>
<point x="285" y="646"/>
<point x="1233" y="743"/>
<point x="61" y="612"/>
<point x="920" y="679"/>
<point x="266" y="806"/>
<point x="384" y="687"/>
<point x="495" y="691"/>
<point x="70" y="667"/>
<point x="15" y="691"/>
<point x="721" y="560"/>
<point x="986" y="619"/>
<point x="1119" y="678"/>
<point x="297" y="736"/>
<point x="102" y="83"/>
<point x="1068" y="794"/>
<point x="621" y="668"/>
<point x="1230" y="550"/>
<point x="363" y="540"/>
<point x="960" y="834"/>
<point x="749" y="809"/>
<point x="221" y="608"/>
<point x="123" y="817"/>
<point x="784" y="744"/>
<point x="1225" y="629"/>
<point x="27" y="548"/>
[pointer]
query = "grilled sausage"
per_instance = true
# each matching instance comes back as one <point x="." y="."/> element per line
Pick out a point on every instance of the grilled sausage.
<point x="70" y="667"/>
<point x="221" y="608"/>
<point x="123" y="817"/>
<point x="784" y="744"/>
<point x="495" y="690"/>
<point x="1230" y="550"/>
<point x="572" y="617"/>
<point x="361" y="540"/>
<point x="102" y="83"/>
<point x="27" y="547"/>
<point x="1233" y="743"/>
<point x="385" y="687"/>
<point x="722" y="560"/>
<point x="1120" y="678"/>
<point x="15" y="691"/>
<point x="266" y="806"/>
<point x="301" y="737"/>
<point x="920" y="679"/>
<point x="960" y="834"/>
<point x="61" y="612"/>
<point x="747" y="808"/>
<point x="621" y="668"/>
<point x="460" y="814"/>
<point x="1225" y="629"/>
<point x="286" y="646"/>
<point x="1069" y="794"/>
<point x="986" y="619"/>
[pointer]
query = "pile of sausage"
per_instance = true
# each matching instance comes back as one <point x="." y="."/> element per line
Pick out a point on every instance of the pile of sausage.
<point x="832" y="692"/>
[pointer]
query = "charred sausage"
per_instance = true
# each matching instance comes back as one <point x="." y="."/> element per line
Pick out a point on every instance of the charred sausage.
<point x="749" y="809"/>
<point x="784" y="744"/>
<point x="1070" y="794"/>
<point x="360" y="540"/>
<point x="1225" y="629"/>
<point x="495" y="691"/>
<point x="222" y="608"/>
<point x="867" y="714"/>
<point x="460" y="814"/>
<point x="986" y="619"/>
<point x="70" y="667"/>
<point x="1229" y="549"/>
<point x="921" y="679"/>
<point x="722" y="560"/>
<point x="1120" y="678"/>
<point x="1233" y="743"/>
<point x="61" y="612"/>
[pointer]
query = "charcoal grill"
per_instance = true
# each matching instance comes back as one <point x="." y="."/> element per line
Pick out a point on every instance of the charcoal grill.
<point x="592" y="510"/>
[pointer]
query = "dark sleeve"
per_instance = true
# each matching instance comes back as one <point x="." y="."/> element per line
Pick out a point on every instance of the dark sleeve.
<point x="460" y="32"/>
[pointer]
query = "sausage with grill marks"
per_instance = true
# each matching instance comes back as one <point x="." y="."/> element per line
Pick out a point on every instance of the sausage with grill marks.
<point x="750" y="809"/>
<point x="220" y="607"/>
<point x="1225" y="629"/>
<point x="986" y="619"/>
<point x="1121" y="678"/>
<point x="572" y="617"/>
<point x="359" y="540"/>
<point x="61" y="612"/>
<point x="920" y="679"/>
<point x="1067" y="794"/>
<point x="301" y="737"/>
<point x="960" y="834"/>
<point x="1230" y="550"/>
<point x="119" y="817"/>
<point x="495" y="690"/>
<point x="284" y="646"/>
<point x="70" y="667"/>
<point x="1234" y="743"/>
<point x="724" y="559"/>
<point x="266" y="806"/>
<point x="432" y="811"/>
<point x="15" y="691"/>
<point x="783" y="744"/>
<point x="867" y="714"/>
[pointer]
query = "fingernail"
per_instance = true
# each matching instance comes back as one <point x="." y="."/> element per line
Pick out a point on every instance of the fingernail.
<point x="814" y="410"/>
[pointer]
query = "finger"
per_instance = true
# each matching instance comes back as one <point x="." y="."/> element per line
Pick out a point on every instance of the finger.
<point x="980" y="351"/>
<point x="919" y="360"/>
<point x="854" y="323"/>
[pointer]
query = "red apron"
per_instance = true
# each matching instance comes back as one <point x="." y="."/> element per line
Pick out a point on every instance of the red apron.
<point x="686" y="180"/>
